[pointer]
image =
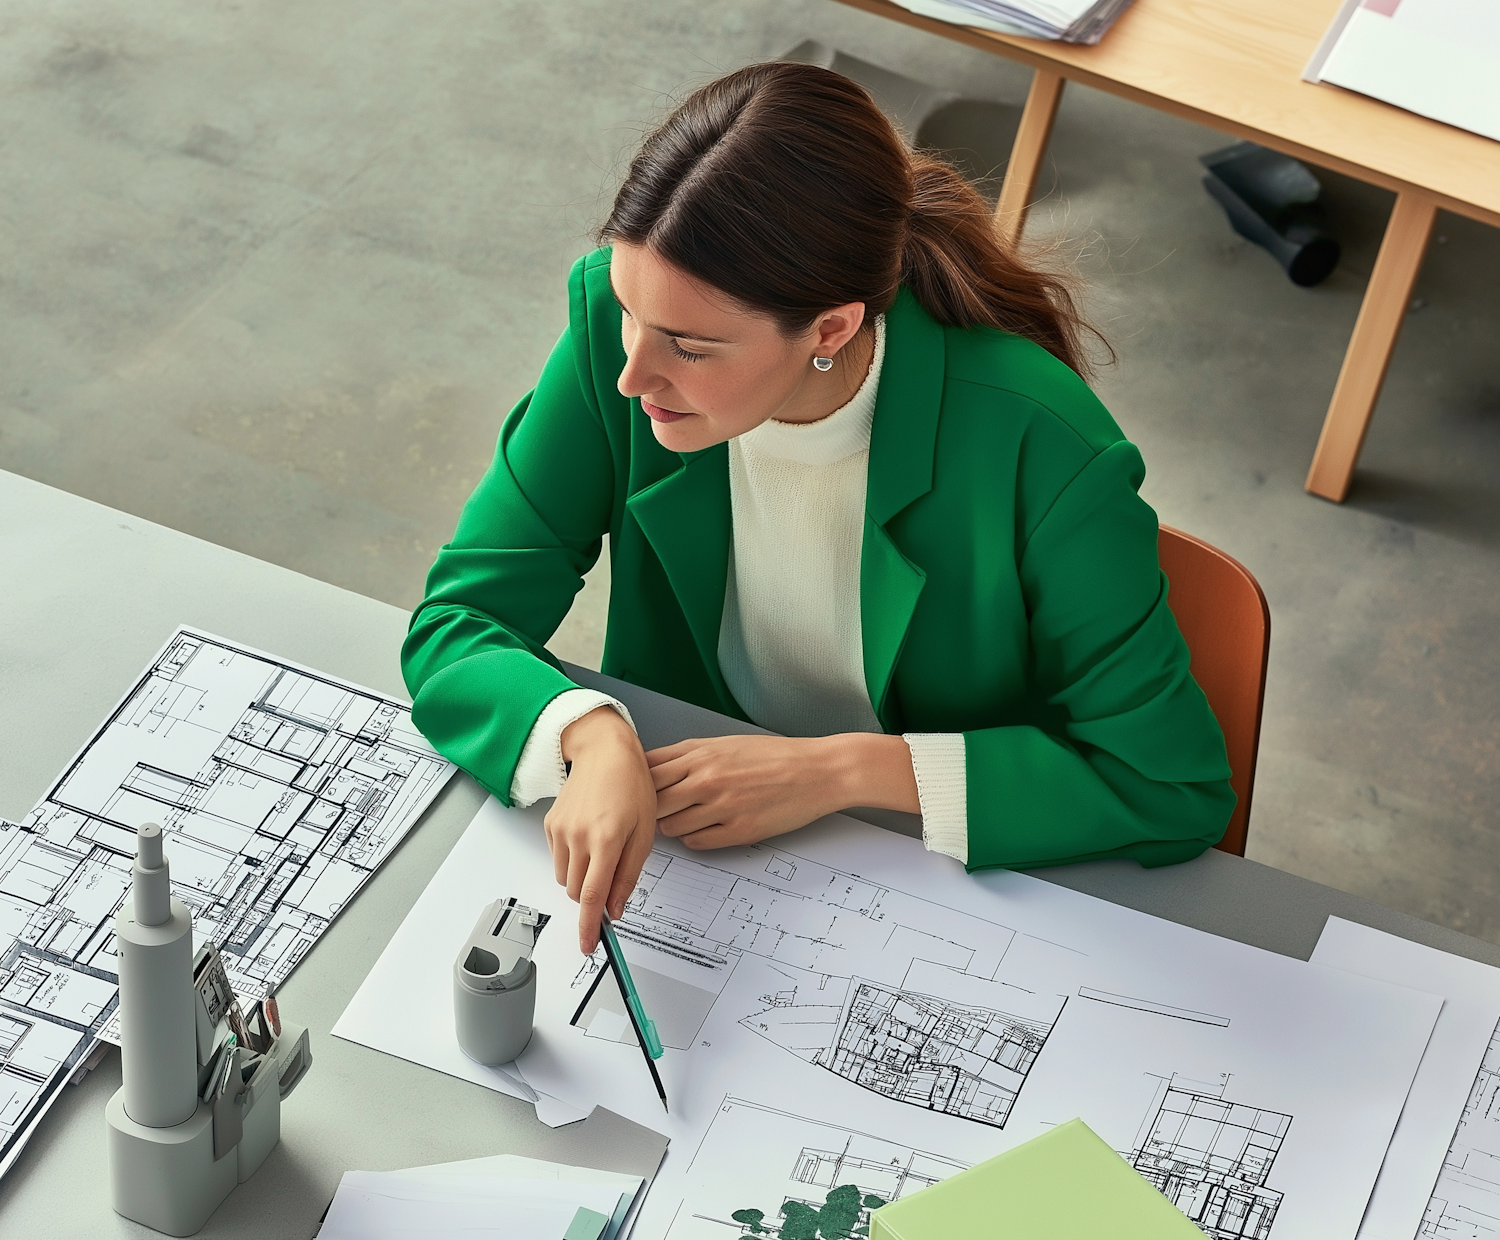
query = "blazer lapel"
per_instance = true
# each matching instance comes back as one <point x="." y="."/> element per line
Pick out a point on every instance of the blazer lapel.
<point x="902" y="444"/>
<point x="686" y="519"/>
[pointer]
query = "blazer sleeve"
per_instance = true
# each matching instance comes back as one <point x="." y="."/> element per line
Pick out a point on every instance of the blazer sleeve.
<point x="1129" y="761"/>
<point x="474" y="659"/>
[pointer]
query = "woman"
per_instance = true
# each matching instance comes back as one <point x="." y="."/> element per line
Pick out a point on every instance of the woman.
<point x="856" y="491"/>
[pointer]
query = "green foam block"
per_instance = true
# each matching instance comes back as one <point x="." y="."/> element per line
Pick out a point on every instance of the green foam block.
<point x="586" y="1225"/>
<point x="1064" y="1185"/>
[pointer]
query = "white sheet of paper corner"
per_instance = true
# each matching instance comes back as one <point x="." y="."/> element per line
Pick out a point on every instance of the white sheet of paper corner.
<point x="1412" y="1176"/>
<point x="404" y="1006"/>
<point x="517" y="1165"/>
<point x="415" y="1205"/>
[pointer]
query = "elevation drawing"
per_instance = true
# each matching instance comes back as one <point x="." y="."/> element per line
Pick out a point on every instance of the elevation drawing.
<point x="1211" y="1157"/>
<point x="279" y="791"/>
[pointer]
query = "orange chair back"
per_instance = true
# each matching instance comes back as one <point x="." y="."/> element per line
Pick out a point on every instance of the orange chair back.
<point x="1227" y="625"/>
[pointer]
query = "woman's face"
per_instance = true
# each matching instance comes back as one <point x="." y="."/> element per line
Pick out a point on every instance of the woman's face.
<point x="706" y="369"/>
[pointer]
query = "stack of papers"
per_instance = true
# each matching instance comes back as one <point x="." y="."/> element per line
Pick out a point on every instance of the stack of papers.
<point x="505" y="1197"/>
<point x="1440" y="1176"/>
<point x="848" y="1018"/>
<point x="1437" y="58"/>
<point x="1069" y="21"/>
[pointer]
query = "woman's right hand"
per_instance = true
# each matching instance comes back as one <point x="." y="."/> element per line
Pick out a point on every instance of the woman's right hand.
<point x="603" y="823"/>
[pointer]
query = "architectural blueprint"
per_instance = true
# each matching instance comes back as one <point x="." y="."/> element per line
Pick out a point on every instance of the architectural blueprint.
<point x="1466" y="1203"/>
<point x="1441" y="1178"/>
<point x="913" y="1048"/>
<point x="279" y="790"/>
<point x="758" y="1170"/>
<point x="811" y="928"/>
<point x="1211" y="1156"/>
<point x="844" y="978"/>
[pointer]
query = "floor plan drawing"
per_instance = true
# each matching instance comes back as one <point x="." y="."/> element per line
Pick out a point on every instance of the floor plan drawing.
<point x="913" y="1048"/>
<point x="930" y="996"/>
<point x="279" y="791"/>
<point x="759" y="1170"/>
<point x="1211" y="1157"/>
<point x="1465" y="1203"/>
<point x="36" y="1056"/>
<point x="688" y="925"/>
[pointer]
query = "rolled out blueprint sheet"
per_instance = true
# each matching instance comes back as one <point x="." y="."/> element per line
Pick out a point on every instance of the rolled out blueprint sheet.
<point x="1441" y="1178"/>
<point x="841" y="1007"/>
<point x="279" y="789"/>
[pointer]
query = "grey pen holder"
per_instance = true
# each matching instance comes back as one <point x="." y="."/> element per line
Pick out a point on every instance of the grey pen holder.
<point x="494" y="983"/>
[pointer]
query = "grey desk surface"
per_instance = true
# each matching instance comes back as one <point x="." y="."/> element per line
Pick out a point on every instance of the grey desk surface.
<point x="87" y="596"/>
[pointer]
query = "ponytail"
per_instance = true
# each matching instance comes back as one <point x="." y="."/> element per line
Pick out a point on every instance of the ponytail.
<point x="795" y="166"/>
<point x="963" y="276"/>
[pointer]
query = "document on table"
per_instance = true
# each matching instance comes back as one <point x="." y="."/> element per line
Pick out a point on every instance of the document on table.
<point x="1437" y="58"/>
<point x="843" y="1007"/>
<point x="1441" y="1177"/>
<point x="441" y="1202"/>
<point x="1070" y="21"/>
<point x="279" y="790"/>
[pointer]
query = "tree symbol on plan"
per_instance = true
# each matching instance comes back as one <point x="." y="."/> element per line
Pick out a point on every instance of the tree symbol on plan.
<point x="844" y="1215"/>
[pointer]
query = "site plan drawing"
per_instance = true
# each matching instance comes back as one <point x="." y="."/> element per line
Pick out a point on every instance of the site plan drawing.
<point x="846" y="979"/>
<point x="758" y="1171"/>
<point x="279" y="791"/>
<point x="1211" y="1156"/>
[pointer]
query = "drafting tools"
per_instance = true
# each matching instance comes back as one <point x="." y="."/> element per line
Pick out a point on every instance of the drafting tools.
<point x="218" y="1078"/>
<point x="645" y="1031"/>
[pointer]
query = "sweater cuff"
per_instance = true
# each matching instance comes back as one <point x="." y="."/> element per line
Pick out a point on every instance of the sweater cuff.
<point x="541" y="770"/>
<point x="938" y="761"/>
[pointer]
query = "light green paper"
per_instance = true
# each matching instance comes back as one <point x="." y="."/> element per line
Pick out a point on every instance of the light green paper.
<point x="586" y="1225"/>
<point x="1064" y="1185"/>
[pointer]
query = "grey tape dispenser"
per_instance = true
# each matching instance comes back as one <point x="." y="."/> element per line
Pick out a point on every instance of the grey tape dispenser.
<point x="494" y="982"/>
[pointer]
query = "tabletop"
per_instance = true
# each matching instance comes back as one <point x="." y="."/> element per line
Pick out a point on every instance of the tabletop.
<point x="1236" y="65"/>
<point x="91" y="595"/>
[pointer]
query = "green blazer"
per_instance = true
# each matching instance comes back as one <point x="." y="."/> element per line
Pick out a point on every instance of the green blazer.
<point x="1009" y="586"/>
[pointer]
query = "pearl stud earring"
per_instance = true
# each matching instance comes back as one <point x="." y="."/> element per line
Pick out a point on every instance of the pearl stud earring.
<point x="825" y="364"/>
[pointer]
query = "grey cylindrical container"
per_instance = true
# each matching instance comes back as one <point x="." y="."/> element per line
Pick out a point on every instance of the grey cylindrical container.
<point x="493" y="1026"/>
<point x="158" y="1033"/>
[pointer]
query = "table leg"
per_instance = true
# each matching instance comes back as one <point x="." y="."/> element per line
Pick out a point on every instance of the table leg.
<point x="1387" y="297"/>
<point x="1027" y="154"/>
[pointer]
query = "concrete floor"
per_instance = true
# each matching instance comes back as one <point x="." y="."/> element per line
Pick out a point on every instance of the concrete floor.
<point x="271" y="274"/>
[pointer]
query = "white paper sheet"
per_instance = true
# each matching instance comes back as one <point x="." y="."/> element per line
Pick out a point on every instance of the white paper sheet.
<point x="1438" y="58"/>
<point x="514" y="1165"/>
<point x="279" y="789"/>
<point x="404" y="1007"/>
<point x="1001" y="1006"/>
<point x="1460" y="1193"/>
<point x="419" y="1205"/>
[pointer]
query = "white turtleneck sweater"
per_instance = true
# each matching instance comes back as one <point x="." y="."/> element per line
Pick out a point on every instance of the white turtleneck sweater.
<point x="790" y="644"/>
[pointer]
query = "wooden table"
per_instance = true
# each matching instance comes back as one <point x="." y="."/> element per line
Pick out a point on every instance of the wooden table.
<point x="1236" y="65"/>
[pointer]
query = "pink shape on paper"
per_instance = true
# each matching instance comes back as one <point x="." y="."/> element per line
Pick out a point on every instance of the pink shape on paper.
<point x="1386" y="8"/>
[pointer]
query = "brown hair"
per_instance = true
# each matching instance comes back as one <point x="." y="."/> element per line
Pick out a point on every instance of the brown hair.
<point x="785" y="187"/>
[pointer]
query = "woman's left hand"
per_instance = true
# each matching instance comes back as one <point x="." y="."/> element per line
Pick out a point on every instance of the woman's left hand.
<point x="740" y="789"/>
